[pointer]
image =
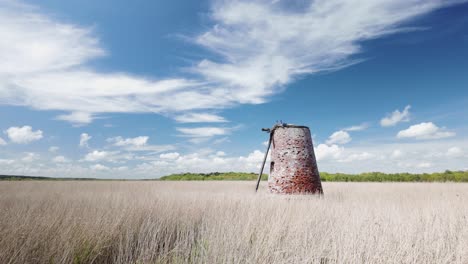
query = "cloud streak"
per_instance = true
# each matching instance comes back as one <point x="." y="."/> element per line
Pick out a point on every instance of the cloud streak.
<point x="396" y="117"/>
<point x="261" y="46"/>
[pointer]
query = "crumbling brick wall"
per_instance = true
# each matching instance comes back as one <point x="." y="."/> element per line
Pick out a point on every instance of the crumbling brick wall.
<point x="293" y="167"/>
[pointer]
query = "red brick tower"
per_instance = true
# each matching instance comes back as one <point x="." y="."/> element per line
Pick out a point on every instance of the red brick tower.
<point x="293" y="167"/>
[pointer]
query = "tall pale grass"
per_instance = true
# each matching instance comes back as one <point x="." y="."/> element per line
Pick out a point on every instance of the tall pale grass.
<point x="226" y="222"/>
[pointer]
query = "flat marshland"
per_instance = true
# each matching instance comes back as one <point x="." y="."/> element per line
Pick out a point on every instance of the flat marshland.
<point x="226" y="222"/>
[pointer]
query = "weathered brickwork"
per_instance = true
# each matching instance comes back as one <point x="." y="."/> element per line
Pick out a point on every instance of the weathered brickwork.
<point x="293" y="167"/>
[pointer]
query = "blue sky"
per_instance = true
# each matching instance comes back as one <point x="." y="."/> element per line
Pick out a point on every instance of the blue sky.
<point x="143" y="89"/>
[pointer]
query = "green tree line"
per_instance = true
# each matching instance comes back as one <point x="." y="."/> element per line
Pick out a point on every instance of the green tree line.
<point x="452" y="176"/>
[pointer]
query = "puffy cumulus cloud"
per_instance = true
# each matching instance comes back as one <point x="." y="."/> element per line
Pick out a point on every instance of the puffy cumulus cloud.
<point x="139" y="143"/>
<point x="339" y="137"/>
<point x="414" y="157"/>
<point x="396" y="154"/>
<point x="60" y="159"/>
<point x="357" y="157"/>
<point x="23" y="135"/>
<point x="396" y="117"/>
<point x="455" y="152"/>
<point x="201" y="162"/>
<point x="425" y="131"/>
<point x="46" y="63"/>
<point x="171" y="156"/>
<point x="199" y="118"/>
<point x="97" y="155"/>
<point x="99" y="167"/>
<point x="30" y="157"/>
<point x="2" y="142"/>
<point x="324" y="151"/>
<point x="254" y="159"/>
<point x="135" y="142"/>
<point x="84" y="138"/>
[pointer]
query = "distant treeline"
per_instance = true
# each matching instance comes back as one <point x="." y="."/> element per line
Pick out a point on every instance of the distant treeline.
<point x="453" y="176"/>
<point x="40" y="178"/>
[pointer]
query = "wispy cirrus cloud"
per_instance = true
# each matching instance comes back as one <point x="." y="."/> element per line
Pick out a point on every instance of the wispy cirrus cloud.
<point x="360" y="127"/>
<point x="396" y="117"/>
<point x="199" y="118"/>
<point x="139" y="143"/>
<point x="203" y="131"/>
<point x="261" y="46"/>
<point x="264" y="46"/>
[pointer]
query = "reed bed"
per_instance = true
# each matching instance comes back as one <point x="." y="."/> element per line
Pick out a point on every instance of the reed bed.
<point x="226" y="222"/>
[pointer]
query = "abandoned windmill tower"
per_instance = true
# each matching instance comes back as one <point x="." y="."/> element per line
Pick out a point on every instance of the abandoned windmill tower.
<point x="293" y="167"/>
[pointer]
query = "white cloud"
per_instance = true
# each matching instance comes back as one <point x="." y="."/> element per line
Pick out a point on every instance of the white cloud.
<point x="266" y="46"/>
<point x="60" y="159"/>
<point x="46" y="63"/>
<point x="171" y="156"/>
<point x="397" y="154"/>
<point x="6" y="161"/>
<point x="199" y="118"/>
<point x="425" y="131"/>
<point x="2" y="142"/>
<point x="221" y="140"/>
<point x="23" y="135"/>
<point x="53" y="149"/>
<point x="138" y="144"/>
<point x="413" y="156"/>
<point x="339" y="137"/>
<point x="396" y="117"/>
<point x="76" y="118"/>
<point x="45" y="66"/>
<point x="97" y="155"/>
<point x="424" y="165"/>
<point x="454" y="152"/>
<point x="99" y="167"/>
<point x="84" y="138"/>
<point x="357" y="157"/>
<point x="254" y="159"/>
<point x="323" y="152"/>
<point x="203" y="131"/>
<point x="135" y="142"/>
<point x="30" y="157"/>
<point x="427" y="156"/>
<point x="360" y="127"/>
<point x="202" y="161"/>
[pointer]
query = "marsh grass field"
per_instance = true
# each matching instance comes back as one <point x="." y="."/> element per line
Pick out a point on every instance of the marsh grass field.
<point x="226" y="222"/>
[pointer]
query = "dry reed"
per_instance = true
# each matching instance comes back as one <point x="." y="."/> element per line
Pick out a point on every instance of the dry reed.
<point x="226" y="222"/>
